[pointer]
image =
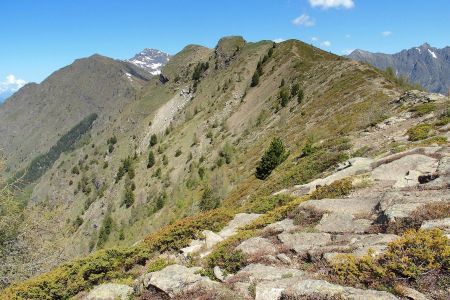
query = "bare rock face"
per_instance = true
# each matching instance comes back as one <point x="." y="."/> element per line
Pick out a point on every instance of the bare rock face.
<point x="417" y="97"/>
<point x="110" y="291"/>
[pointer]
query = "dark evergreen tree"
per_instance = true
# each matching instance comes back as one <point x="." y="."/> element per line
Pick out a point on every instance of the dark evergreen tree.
<point x="153" y="140"/>
<point x="274" y="156"/>
<point x="255" y="79"/>
<point x="151" y="160"/>
<point x="209" y="200"/>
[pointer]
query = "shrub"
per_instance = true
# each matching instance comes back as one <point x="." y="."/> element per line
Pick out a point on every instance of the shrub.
<point x="151" y="160"/>
<point x="178" y="152"/>
<point x="209" y="200"/>
<point x="153" y="140"/>
<point x="300" y="96"/>
<point x="419" y="132"/>
<point x="264" y="204"/>
<point x="128" y="197"/>
<point x="336" y="189"/>
<point x="158" y="264"/>
<point x="255" y="79"/>
<point x="274" y="156"/>
<point x="423" y="109"/>
<point x="306" y="216"/>
<point x="414" y="254"/>
<point x="105" y="230"/>
<point x="75" y="170"/>
<point x="284" y="96"/>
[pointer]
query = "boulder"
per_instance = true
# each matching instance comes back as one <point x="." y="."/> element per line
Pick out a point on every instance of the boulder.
<point x="257" y="246"/>
<point x="110" y="291"/>
<point x="218" y="273"/>
<point x="301" y="242"/>
<point x="284" y="258"/>
<point x="324" y="290"/>
<point x="194" y="247"/>
<point x="172" y="280"/>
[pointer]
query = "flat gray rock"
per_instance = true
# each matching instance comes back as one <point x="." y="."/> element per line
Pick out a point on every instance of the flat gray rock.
<point x="324" y="290"/>
<point x="239" y="221"/>
<point x="257" y="246"/>
<point x="301" y="242"/>
<point x="405" y="171"/>
<point x="443" y="224"/>
<point x="260" y="272"/>
<point x="353" y="206"/>
<point x="110" y="291"/>
<point x="342" y="223"/>
<point x="281" y="226"/>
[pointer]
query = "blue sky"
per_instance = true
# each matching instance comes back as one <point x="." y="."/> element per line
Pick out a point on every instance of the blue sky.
<point x="39" y="37"/>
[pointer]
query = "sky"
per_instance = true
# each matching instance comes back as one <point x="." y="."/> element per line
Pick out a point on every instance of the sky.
<point x="38" y="37"/>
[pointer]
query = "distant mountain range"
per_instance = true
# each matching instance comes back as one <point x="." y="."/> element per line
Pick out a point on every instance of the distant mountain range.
<point x="151" y="60"/>
<point x="426" y="65"/>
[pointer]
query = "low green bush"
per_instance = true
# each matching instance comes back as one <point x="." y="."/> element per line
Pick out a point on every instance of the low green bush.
<point x="419" y="132"/>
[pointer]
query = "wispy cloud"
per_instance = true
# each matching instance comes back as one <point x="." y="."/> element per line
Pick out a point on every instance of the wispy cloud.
<point x="279" y="40"/>
<point x="386" y="33"/>
<point x="326" y="4"/>
<point x="304" y="20"/>
<point x="11" y="84"/>
<point x="326" y="43"/>
<point x="314" y="39"/>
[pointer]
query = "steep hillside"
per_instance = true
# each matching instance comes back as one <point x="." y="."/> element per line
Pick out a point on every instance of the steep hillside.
<point x="191" y="142"/>
<point x="33" y="119"/>
<point x="426" y="65"/>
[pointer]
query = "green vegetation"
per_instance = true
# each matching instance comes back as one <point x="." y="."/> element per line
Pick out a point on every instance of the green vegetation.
<point x="126" y="167"/>
<point x="105" y="230"/>
<point x="199" y="69"/>
<point x="407" y="259"/>
<point x="419" y="132"/>
<point x="284" y="96"/>
<point x="128" y="197"/>
<point x="153" y="140"/>
<point x="111" y="142"/>
<point x="423" y="109"/>
<point x="209" y="200"/>
<point x="158" y="264"/>
<point x="66" y="143"/>
<point x="274" y="156"/>
<point x="151" y="160"/>
<point x="402" y="81"/>
<point x="336" y="189"/>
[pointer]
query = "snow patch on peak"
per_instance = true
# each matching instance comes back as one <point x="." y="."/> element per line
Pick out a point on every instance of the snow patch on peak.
<point x="418" y="49"/>
<point x="151" y="60"/>
<point x="432" y="53"/>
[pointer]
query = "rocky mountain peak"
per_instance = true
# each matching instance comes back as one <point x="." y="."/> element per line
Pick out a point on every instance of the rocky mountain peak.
<point x="151" y="60"/>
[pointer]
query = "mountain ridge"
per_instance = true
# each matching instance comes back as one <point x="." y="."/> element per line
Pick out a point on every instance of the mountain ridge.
<point x="426" y="65"/>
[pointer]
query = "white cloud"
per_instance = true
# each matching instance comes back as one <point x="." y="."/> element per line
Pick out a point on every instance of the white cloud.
<point x="314" y="39"/>
<point x="11" y="84"/>
<point x="279" y="40"/>
<point x="325" y="4"/>
<point x="326" y="43"/>
<point x="386" y="33"/>
<point x="304" y="20"/>
<point x="347" y="51"/>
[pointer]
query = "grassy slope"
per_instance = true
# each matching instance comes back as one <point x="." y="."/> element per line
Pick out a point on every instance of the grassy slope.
<point x="339" y="98"/>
